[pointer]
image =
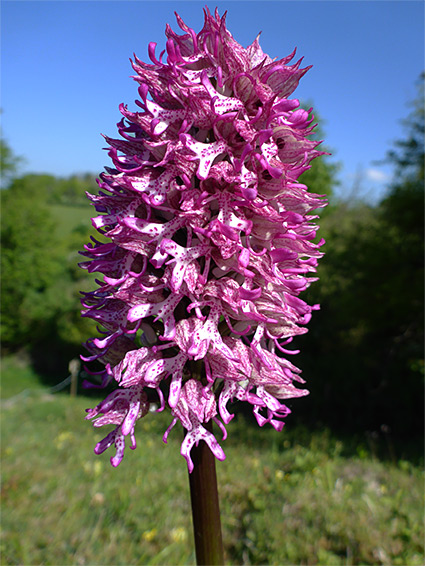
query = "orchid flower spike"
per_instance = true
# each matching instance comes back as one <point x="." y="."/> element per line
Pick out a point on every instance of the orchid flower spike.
<point x="210" y="240"/>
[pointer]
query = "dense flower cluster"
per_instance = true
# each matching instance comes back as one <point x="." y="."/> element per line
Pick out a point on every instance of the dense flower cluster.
<point x="210" y="239"/>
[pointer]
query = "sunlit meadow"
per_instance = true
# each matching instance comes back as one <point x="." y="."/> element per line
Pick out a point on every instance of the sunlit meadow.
<point x="293" y="497"/>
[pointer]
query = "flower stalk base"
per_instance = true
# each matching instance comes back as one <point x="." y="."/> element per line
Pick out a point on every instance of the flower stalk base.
<point x="205" y="506"/>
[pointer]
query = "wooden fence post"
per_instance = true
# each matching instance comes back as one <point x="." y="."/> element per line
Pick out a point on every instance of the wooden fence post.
<point x="74" y="370"/>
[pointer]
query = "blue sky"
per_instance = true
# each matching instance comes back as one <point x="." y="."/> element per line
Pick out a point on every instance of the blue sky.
<point x="65" y="69"/>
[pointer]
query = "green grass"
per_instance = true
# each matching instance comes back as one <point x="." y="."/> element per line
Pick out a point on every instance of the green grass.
<point x="18" y="378"/>
<point x="68" y="217"/>
<point x="286" y="498"/>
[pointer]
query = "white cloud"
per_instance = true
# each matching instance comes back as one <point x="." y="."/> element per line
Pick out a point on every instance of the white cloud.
<point x="376" y="175"/>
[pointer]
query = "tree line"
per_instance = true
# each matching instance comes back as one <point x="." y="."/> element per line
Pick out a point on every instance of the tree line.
<point x="364" y="353"/>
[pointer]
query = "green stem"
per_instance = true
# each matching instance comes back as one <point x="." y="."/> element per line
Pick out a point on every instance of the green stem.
<point x="205" y="506"/>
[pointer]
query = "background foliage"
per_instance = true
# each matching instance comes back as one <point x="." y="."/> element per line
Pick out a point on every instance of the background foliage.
<point x="363" y="355"/>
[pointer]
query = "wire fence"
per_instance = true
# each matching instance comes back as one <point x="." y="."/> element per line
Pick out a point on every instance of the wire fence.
<point x="72" y="378"/>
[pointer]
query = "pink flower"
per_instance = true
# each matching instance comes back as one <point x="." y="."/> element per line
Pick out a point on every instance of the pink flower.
<point x="210" y="239"/>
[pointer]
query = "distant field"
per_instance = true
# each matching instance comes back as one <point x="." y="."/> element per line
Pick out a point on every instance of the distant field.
<point x="286" y="498"/>
<point x="69" y="217"/>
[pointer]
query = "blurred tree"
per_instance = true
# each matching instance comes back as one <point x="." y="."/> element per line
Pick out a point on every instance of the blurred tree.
<point x="403" y="206"/>
<point x="9" y="163"/>
<point x="29" y="263"/>
<point x="364" y="352"/>
<point x="40" y="236"/>
<point x="408" y="154"/>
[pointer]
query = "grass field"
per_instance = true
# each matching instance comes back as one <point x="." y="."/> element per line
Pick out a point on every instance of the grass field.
<point x="69" y="217"/>
<point x="286" y="498"/>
